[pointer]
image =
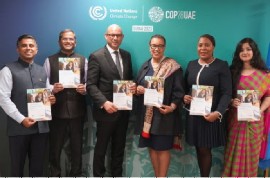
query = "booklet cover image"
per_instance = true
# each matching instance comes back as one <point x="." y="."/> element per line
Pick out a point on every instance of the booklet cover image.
<point x="69" y="72"/>
<point x="202" y="97"/>
<point x="122" y="96"/>
<point x="154" y="91"/>
<point x="249" y="109"/>
<point x="38" y="104"/>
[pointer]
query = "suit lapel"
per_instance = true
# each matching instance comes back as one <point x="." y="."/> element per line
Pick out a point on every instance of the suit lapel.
<point x="143" y="72"/>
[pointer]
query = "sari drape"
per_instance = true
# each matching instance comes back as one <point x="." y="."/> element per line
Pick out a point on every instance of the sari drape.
<point x="245" y="138"/>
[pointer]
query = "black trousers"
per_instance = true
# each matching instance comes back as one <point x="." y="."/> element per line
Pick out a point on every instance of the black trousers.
<point x="34" y="146"/>
<point x="114" y="131"/>
<point x="59" y="128"/>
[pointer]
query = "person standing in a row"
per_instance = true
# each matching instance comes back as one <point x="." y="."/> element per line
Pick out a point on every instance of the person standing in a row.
<point x="69" y="111"/>
<point x="105" y="65"/>
<point x="249" y="72"/>
<point x="159" y="126"/>
<point x="27" y="137"/>
<point x="207" y="132"/>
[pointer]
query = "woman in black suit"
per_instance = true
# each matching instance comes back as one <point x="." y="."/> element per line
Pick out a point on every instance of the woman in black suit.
<point x="159" y="126"/>
<point x="208" y="131"/>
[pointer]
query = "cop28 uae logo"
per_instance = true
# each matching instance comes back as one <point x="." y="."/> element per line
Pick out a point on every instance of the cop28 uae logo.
<point x="98" y="12"/>
<point x="156" y="14"/>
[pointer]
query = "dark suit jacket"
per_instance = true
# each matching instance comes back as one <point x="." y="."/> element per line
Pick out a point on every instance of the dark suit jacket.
<point x="101" y="73"/>
<point x="168" y="124"/>
<point x="217" y="74"/>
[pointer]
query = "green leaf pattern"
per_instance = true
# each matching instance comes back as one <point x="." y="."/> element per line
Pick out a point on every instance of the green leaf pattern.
<point x="137" y="162"/>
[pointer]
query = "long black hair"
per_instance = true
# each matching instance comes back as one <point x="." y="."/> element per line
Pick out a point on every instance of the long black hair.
<point x="256" y="62"/>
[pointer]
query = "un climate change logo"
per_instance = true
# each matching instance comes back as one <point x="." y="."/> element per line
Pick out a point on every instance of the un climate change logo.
<point x="156" y="14"/>
<point x="98" y="12"/>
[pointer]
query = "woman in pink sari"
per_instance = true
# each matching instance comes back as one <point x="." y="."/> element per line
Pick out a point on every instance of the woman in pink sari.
<point x="249" y="72"/>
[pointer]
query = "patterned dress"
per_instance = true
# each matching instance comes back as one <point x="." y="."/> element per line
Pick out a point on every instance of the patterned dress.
<point x="245" y="138"/>
<point x="264" y="162"/>
<point x="200" y="132"/>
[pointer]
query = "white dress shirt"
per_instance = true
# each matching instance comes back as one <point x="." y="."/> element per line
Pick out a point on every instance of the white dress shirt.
<point x="114" y="56"/>
<point x="7" y="105"/>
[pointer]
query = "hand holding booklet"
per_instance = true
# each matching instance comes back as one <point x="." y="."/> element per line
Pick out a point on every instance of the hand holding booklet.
<point x="69" y="72"/>
<point x="201" y="103"/>
<point x="249" y="109"/>
<point x="154" y="91"/>
<point x="122" y="96"/>
<point x="38" y="104"/>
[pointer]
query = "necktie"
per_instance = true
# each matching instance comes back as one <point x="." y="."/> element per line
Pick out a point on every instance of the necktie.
<point x="118" y="65"/>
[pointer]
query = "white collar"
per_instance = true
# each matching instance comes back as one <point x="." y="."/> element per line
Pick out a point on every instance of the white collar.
<point x="111" y="50"/>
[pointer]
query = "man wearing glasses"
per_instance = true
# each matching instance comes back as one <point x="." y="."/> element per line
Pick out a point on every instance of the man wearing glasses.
<point x="105" y="65"/>
<point x="69" y="112"/>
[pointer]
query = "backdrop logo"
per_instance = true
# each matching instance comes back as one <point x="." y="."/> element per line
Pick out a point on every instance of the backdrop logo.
<point x="98" y="12"/>
<point x="156" y="14"/>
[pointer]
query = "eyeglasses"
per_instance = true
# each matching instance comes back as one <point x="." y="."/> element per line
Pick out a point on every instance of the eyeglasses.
<point x="68" y="39"/>
<point x="157" y="46"/>
<point x="115" y="35"/>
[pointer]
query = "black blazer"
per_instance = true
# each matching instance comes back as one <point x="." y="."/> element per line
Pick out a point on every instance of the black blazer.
<point x="217" y="74"/>
<point x="168" y="124"/>
<point x="101" y="73"/>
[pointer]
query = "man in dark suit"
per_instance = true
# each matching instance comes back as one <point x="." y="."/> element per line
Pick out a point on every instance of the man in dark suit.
<point x="105" y="65"/>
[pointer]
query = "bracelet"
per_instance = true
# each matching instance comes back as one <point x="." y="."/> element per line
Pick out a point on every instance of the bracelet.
<point x="220" y="116"/>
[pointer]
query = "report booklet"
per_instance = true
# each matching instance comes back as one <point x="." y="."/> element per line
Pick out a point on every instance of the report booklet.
<point x="202" y="97"/>
<point x="38" y="104"/>
<point x="122" y="96"/>
<point x="249" y="109"/>
<point x="154" y="91"/>
<point x="69" y="72"/>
